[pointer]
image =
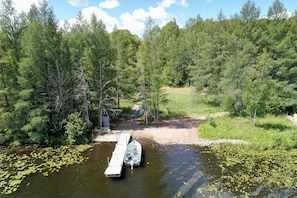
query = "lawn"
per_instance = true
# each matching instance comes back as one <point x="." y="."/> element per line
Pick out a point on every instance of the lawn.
<point x="181" y="102"/>
<point x="270" y="131"/>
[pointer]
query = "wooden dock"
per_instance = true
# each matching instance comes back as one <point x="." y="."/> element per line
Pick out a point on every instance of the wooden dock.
<point x="115" y="164"/>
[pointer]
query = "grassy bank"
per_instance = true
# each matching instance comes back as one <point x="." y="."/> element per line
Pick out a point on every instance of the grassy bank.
<point x="269" y="161"/>
<point x="270" y="132"/>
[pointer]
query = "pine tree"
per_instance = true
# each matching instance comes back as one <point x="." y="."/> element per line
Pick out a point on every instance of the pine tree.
<point x="98" y="58"/>
<point x="39" y="71"/>
<point x="125" y="45"/>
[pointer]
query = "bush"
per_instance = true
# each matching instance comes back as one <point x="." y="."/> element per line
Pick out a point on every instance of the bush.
<point x="76" y="129"/>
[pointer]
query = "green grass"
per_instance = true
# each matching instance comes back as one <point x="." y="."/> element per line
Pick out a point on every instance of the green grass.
<point x="180" y="102"/>
<point x="269" y="132"/>
<point x="183" y="104"/>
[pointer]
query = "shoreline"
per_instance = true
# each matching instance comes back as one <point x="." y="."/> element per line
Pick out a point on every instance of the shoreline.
<point x="180" y="131"/>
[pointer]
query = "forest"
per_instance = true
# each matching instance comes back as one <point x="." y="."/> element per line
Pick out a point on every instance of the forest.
<point x="56" y="83"/>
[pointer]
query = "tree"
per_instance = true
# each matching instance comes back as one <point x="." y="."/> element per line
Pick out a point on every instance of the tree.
<point x="98" y="57"/>
<point x="11" y="25"/>
<point x="249" y="12"/>
<point x="75" y="42"/>
<point x="261" y="94"/>
<point x="174" y="66"/>
<point x="233" y="82"/>
<point x="38" y="71"/>
<point x="125" y="45"/>
<point x="207" y="67"/>
<point x="150" y="68"/>
<point x="193" y="21"/>
<point x="277" y="11"/>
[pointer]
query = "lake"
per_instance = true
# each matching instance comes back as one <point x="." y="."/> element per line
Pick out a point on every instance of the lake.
<point x="167" y="171"/>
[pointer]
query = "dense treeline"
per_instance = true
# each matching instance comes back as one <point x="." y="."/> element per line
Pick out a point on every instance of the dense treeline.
<point x="57" y="83"/>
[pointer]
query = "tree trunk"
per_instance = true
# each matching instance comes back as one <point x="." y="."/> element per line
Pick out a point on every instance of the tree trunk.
<point x="255" y="116"/>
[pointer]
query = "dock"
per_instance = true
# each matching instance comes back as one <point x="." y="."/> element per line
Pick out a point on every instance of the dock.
<point x="115" y="164"/>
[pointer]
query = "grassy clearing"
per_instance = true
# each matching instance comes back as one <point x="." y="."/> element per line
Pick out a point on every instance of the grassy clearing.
<point x="270" y="132"/>
<point x="181" y="102"/>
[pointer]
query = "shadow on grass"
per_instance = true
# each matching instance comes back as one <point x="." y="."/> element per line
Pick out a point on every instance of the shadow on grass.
<point x="172" y="114"/>
<point x="268" y="126"/>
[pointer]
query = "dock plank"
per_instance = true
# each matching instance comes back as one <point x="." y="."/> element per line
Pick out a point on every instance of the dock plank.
<point x="115" y="164"/>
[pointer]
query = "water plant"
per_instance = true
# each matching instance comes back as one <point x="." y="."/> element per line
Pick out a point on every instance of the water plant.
<point x="244" y="169"/>
<point x="16" y="165"/>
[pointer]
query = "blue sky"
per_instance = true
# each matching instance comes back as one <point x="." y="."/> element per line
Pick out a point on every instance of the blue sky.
<point x="132" y="14"/>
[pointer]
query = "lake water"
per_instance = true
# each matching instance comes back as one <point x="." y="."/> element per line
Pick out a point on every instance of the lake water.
<point x="168" y="171"/>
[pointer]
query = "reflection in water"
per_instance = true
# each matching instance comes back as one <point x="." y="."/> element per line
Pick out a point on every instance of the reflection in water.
<point x="167" y="171"/>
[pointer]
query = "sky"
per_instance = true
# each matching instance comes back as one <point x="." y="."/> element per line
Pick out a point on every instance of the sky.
<point x="133" y="14"/>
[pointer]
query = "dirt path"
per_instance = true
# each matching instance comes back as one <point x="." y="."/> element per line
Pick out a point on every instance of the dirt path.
<point x="174" y="131"/>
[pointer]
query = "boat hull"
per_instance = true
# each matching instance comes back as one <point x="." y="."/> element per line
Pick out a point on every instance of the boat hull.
<point x="133" y="154"/>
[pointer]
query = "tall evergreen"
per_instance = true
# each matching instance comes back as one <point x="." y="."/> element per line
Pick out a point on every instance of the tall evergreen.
<point x="98" y="60"/>
<point x="39" y="72"/>
<point x="125" y="45"/>
<point x="11" y="25"/>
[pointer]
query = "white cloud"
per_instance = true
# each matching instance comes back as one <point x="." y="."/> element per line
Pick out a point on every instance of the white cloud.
<point x="158" y="13"/>
<point x="135" y="21"/>
<point x="184" y="3"/>
<point x="109" y="4"/>
<point x="140" y="14"/>
<point x="132" y="22"/>
<point x="166" y="3"/>
<point x="24" y="6"/>
<point x="208" y="1"/>
<point x="78" y="2"/>
<point x="109" y="21"/>
<point x="286" y="15"/>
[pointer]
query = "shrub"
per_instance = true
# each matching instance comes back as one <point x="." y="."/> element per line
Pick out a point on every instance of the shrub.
<point x="75" y="129"/>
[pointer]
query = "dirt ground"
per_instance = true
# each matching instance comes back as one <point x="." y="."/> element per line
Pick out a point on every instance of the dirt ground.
<point x="174" y="131"/>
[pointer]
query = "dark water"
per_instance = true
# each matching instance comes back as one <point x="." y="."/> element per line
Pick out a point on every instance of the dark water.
<point x="163" y="174"/>
<point x="168" y="171"/>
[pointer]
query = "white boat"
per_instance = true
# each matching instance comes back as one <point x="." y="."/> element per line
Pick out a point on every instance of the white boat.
<point x="133" y="154"/>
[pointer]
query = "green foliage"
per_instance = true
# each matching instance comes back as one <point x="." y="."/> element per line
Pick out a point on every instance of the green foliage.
<point x="245" y="64"/>
<point x="270" y="132"/>
<point x="126" y="45"/>
<point x="75" y="129"/>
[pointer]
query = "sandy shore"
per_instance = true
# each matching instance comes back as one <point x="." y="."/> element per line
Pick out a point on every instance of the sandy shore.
<point x="174" y="131"/>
